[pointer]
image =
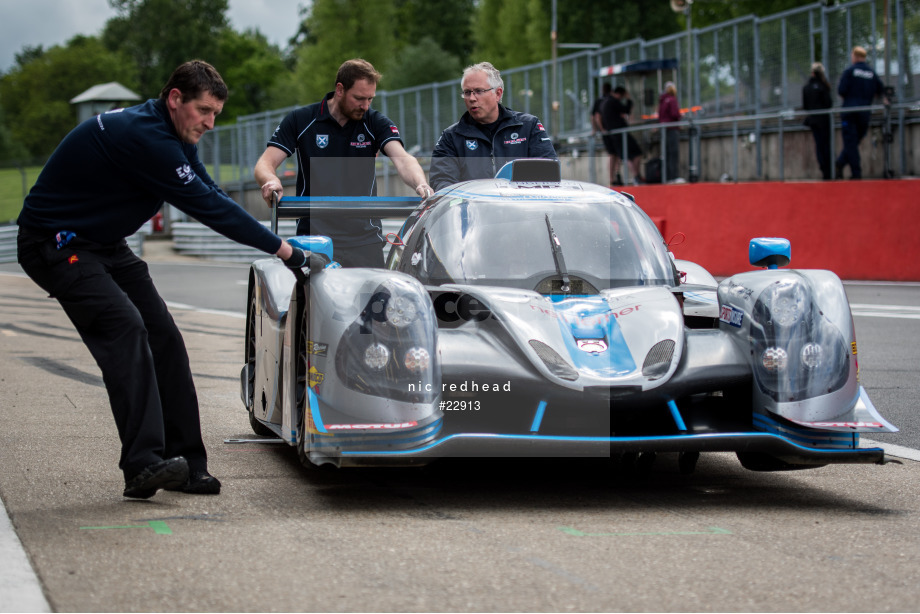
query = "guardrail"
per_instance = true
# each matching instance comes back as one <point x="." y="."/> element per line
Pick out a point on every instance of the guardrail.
<point x="195" y="239"/>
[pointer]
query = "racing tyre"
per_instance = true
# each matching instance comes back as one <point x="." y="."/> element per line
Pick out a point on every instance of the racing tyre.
<point x="257" y="427"/>
<point x="300" y="391"/>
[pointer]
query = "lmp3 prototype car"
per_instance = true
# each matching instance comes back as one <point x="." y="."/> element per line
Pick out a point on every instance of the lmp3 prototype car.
<point x="543" y="317"/>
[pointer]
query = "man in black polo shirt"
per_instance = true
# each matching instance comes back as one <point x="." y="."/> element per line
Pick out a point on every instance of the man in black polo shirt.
<point x="336" y="141"/>
<point x="109" y="176"/>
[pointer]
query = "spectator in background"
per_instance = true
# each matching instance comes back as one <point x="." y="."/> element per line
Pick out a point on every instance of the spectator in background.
<point x="859" y="85"/>
<point x="615" y="115"/>
<point x="597" y="124"/>
<point x="816" y="95"/>
<point x="669" y="112"/>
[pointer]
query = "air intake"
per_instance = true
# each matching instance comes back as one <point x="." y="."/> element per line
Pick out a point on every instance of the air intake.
<point x="658" y="359"/>
<point x="556" y="364"/>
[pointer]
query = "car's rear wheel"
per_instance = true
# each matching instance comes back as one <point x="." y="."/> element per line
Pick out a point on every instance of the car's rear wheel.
<point x="257" y="427"/>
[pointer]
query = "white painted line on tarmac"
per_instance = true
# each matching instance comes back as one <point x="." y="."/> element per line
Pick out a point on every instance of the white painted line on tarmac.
<point x="891" y="449"/>
<point x="20" y="589"/>
<point x="217" y="312"/>
<point x="885" y="311"/>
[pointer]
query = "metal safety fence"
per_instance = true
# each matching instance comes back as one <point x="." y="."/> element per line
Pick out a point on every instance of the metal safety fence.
<point x="748" y="66"/>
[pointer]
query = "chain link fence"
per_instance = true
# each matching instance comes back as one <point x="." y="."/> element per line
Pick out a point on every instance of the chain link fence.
<point x="748" y="66"/>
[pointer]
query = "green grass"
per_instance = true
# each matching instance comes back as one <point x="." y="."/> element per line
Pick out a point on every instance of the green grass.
<point x="11" y="190"/>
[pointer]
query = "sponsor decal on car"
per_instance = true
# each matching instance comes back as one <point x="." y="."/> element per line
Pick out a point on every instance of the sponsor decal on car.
<point x="315" y="377"/>
<point x="316" y="348"/>
<point x="731" y="316"/>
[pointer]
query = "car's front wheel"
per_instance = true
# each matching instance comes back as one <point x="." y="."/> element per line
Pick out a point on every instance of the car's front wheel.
<point x="257" y="427"/>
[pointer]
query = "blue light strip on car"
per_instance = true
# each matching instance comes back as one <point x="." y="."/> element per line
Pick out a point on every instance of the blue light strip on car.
<point x="566" y="438"/>
<point x="675" y="413"/>
<point x="538" y="417"/>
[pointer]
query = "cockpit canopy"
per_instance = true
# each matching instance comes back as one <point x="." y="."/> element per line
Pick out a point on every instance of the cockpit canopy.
<point x="549" y="239"/>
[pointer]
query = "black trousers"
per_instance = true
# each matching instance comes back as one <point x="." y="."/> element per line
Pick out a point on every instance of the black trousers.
<point x="822" y="134"/>
<point x="853" y="127"/>
<point x="108" y="294"/>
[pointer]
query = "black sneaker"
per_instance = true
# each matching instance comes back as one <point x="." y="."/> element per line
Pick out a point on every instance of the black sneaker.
<point x="164" y="474"/>
<point x="199" y="483"/>
<point x="838" y="169"/>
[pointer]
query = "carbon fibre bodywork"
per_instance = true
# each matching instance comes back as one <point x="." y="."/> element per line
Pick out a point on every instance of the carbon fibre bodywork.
<point x="549" y="318"/>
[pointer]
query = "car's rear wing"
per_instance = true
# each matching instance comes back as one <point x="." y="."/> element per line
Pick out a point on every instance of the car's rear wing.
<point x="291" y="207"/>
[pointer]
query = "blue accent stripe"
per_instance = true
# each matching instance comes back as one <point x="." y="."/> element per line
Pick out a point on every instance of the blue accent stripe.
<point x="361" y="199"/>
<point x="438" y="442"/>
<point x="314" y="410"/>
<point x="678" y="419"/>
<point x="837" y="439"/>
<point x="538" y="417"/>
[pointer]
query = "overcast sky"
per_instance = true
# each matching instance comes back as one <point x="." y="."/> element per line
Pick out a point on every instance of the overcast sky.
<point x="54" y="22"/>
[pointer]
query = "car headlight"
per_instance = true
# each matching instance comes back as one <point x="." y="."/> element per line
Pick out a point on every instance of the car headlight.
<point x="390" y="350"/>
<point x="799" y="353"/>
<point x="401" y="311"/>
<point x="376" y="356"/>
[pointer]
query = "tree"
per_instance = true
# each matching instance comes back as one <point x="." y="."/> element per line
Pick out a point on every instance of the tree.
<point x="449" y="23"/>
<point x="338" y="30"/>
<point x="424" y="62"/>
<point x="159" y="35"/>
<point x="250" y="66"/>
<point x="35" y="95"/>
<point x="512" y="33"/>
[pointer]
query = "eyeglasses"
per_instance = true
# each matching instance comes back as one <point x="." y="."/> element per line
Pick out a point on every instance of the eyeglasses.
<point x="468" y="93"/>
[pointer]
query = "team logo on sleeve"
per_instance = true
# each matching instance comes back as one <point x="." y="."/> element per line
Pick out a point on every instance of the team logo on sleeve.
<point x="540" y="127"/>
<point x="394" y="130"/>
<point x="472" y="144"/>
<point x="322" y="140"/>
<point x="186" y="174"/>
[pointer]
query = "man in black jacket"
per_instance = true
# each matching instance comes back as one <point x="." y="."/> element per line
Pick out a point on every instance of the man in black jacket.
<point x="859" y="86"/>
<point x="488" y="135"/>
<point x="108" y="177"/>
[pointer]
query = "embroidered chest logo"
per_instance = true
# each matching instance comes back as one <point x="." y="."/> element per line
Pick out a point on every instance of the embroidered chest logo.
<point x="361" y="142"/>
<point x="186" y="174"/>
<point x="472" y="144"/>
<point x="516" y="139"/>
<point x="322" y="140"/>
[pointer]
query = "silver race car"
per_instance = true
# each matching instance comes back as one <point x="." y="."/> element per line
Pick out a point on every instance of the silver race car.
<point x="529" y="316"/>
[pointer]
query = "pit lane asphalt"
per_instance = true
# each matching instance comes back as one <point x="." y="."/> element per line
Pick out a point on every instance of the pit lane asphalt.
<point x="468" y="535"/>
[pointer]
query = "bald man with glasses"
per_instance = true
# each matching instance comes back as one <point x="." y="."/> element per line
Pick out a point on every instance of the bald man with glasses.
<point x="488" y="135"/>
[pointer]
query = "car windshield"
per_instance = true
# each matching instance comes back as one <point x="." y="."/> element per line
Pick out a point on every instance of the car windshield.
<point x="577" y="246"/>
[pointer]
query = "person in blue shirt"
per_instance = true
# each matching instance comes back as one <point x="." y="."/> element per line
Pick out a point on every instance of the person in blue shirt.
<point x="859" y="86"/>
<point x="107" y="177"/>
